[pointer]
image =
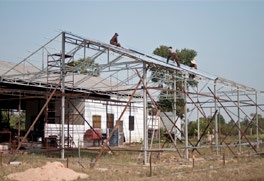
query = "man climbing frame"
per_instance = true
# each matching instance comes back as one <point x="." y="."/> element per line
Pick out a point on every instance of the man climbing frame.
<point x="173" y="55"/>
<point x="114" y="40"/>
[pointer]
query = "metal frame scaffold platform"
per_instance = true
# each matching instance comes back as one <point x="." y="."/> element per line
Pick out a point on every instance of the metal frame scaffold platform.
<point x="126" y="75"/>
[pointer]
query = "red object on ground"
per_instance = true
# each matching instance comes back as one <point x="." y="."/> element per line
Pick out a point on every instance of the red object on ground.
<point x="92" y="135"/>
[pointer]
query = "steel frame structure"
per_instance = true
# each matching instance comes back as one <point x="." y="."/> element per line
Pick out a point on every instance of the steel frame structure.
<point x="122" y="71"/>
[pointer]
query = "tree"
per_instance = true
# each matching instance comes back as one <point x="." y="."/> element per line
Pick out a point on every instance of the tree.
<point x="14" y="120"/>
<point x="9" y="119"/>
<point x="166" y="100"/>
<point x="254" y="122"/>
<point x="220" y="119"/>
<point x="185" y="55"/>
<point x="4" y="120"/>
<point x="85" y="66"/>
<point x="193" y="125"/>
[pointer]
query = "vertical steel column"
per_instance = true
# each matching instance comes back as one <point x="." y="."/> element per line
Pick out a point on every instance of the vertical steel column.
<point x="43" y="60"/>
<point x="129" y="124"/>
<point x="174" y="105"/>
<point x="62" y="91"/>
<point x="108" y="58"/>
<point x="216" y="120"/>
<point x="106" y="114"/>
<point x="185" y="117"/>
<point x="238" y="117"/>
<point x="19" y="119"/>
<point x="198" y="120"/>
<point x="145" y="128"/>
<point x="257" y="122"/>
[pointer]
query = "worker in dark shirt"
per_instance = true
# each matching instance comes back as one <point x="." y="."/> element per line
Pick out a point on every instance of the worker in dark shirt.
<point x="193" y="65"/>
<point x="173" y="55"/>
<point x="114" y="40"/>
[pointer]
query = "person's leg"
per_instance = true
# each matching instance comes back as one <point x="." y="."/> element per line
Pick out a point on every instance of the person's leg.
<point x="175" y="58"/>
<point x="178" y="64"/>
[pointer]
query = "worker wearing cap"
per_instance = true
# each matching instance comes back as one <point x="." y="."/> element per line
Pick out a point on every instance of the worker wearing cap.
<point x="193" y="65"/>
<point x="173" y="55"/>
<point x="114" y="40"/>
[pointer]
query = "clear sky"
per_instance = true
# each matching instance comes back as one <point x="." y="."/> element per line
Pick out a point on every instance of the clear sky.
<point x="227" y="35"/>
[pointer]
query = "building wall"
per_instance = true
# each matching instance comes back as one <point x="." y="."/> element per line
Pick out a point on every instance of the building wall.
<point x="94" y="108"/>
<point x="169" y="125"/>
<point x="74" y="131"/>
<point x="101" y="108"/>
<point x="73" y="134"/>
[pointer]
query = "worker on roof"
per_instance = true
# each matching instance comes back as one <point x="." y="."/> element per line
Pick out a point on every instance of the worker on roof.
<point x="193" y="65"/>
<point x="173" y="55"/>
<point x="114" y="40"/>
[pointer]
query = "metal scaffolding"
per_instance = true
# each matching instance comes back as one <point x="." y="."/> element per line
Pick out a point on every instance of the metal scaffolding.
<point x="122" y="71"/>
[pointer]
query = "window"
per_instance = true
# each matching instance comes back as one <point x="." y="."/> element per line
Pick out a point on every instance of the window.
<point x="96" y="121"/>
<point x="110" y="121"/>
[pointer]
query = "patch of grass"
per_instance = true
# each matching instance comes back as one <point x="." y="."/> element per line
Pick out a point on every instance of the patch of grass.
<point x="167" y="165"/>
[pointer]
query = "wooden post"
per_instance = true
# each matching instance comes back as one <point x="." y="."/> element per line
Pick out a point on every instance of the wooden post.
<point x="67" y="162"/>
<point x="193" y="158"/>
<point x="150" y="166"/>
<point x="1" y="158"/>
<point x="223" y="159"/>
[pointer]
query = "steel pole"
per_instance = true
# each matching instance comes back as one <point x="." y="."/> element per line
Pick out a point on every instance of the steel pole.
<point x="63" y="96"/>
<point x="238" y="117"/>
<point x="145" y="127"/>
<point x="216" y="120"/>
<point x="257" y="122"/>
<point x="175" y="105"/>
<point x="198" y="120"/>
<point x="185" y="117"/>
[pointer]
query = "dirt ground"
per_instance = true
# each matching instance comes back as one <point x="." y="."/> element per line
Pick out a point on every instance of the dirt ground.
<point x="128" y="166"/>
<point x="53" y="171"/>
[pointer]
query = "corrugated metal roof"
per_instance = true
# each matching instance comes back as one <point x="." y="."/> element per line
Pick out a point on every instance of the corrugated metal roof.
<point x="26" y="74"/>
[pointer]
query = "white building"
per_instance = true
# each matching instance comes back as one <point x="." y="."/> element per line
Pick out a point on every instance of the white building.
<point x="172" y="123"/>
<point x="99" y="115"/>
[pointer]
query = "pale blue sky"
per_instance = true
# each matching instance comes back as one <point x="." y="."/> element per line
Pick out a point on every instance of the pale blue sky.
<point x="227" y="35"/>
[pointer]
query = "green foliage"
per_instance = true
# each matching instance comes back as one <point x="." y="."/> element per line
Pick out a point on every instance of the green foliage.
<point x="166" y="97"/>
<point x="85" y="66"/>
<point x="162" y="133"/>
<point x="10" y="119"/>
<point x="166" y="103"/>
<point x="14" y="120"/>
<point x="192" y="128"/>
<point x="4" y="120"/>
<point x="247" y="126"/>
<point x="261" y="136"/>
<point x="220" y="119"/>
<point x="193" y="125"/>
<point x="185" y="55"/>
<point x="161" y="51"/>
<point x="229" y="128"/>
<point x="157" y="75"/>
